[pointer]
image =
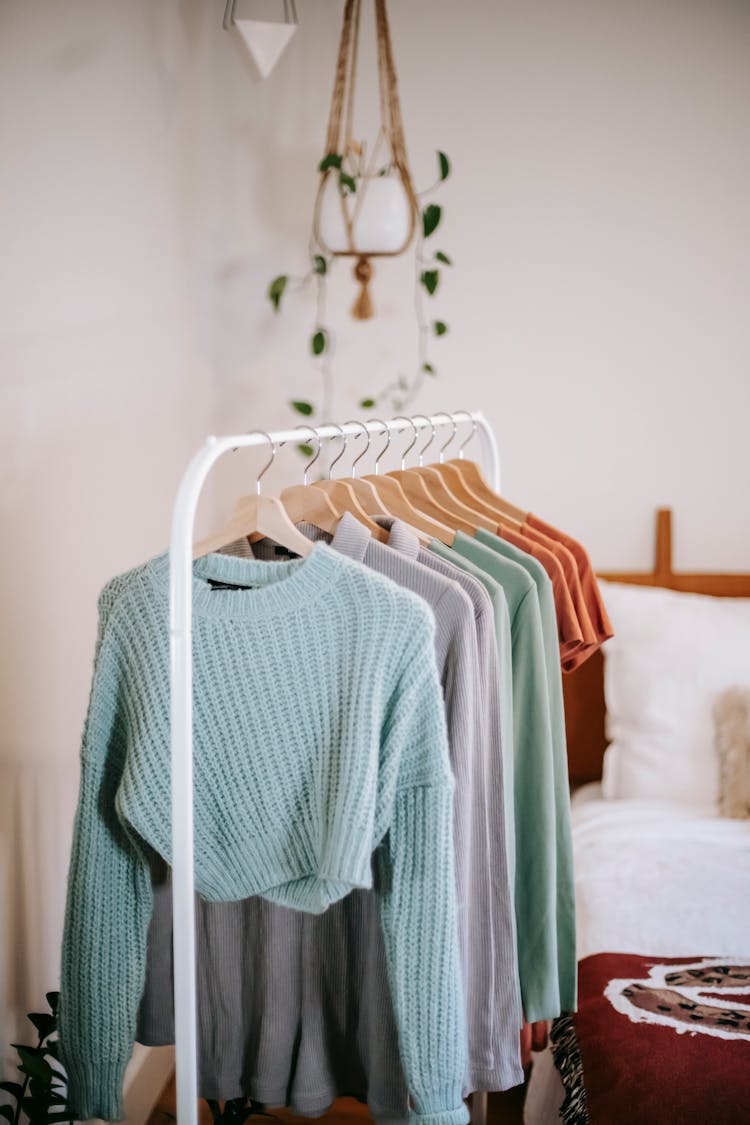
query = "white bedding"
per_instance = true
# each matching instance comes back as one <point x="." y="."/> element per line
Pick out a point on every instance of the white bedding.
<point x="660" y="878"/>
<point x="653" y="878"/>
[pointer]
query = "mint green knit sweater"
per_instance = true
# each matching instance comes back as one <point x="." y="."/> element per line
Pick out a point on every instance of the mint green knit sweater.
<point x="319" y="740"/>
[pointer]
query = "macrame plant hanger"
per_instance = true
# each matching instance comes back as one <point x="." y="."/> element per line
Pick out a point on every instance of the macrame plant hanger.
<point x="390" y="147"/>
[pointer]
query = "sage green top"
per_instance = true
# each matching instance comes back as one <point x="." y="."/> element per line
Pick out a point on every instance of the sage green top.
<point x="505" y="686"/>
<point x="566" y="926"/>
<point x="533" y="778"/>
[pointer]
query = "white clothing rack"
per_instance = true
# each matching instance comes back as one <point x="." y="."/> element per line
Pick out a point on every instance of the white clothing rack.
<point x="181" y="710"/>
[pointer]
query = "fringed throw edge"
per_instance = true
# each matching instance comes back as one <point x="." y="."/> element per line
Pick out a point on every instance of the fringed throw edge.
<point x="567" y="1056"/>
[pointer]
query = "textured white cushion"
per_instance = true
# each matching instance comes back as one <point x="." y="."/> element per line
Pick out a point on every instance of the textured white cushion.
<point x="671" y="656"/>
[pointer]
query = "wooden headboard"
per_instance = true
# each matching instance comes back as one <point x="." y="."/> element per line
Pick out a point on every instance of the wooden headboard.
<point x="584" y="689"/>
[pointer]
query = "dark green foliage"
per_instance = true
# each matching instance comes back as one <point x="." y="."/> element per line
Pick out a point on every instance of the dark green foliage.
<point x="318" y="342"/>
<point x="431" y="219"/>
<point x="347" y="181"/>
<point x="42" y="1096"/>
<point x="332" y="160"/>
<point x="430" y="279"/>
<point x="276" y="289"/>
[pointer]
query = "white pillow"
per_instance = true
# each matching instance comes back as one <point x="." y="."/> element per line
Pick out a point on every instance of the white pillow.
<point x="671" y="655"/>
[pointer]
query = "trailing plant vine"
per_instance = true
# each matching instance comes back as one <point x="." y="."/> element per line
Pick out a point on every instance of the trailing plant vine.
<point x="429" y="264"/>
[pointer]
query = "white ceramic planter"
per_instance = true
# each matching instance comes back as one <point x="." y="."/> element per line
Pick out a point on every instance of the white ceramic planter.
<point x="379" y="209"/>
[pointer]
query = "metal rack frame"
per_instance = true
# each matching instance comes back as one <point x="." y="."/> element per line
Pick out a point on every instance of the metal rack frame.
<point x="181" y="709"/>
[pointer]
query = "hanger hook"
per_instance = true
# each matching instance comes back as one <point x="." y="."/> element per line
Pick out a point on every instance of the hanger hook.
<point x="270" y="460"/>
<point x="407" y="451"/>
<point x="366" y="432"/>
<point x="338" y="456"/>
<point x="430" y="439"/>
<point x="386" y="447"/>
<point x="452" y="421"/>
<point x="466" y="441"/>
<point x="316" y="437"/>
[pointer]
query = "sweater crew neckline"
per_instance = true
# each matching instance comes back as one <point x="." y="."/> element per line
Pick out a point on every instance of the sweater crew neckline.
<point x="273" y="587"/>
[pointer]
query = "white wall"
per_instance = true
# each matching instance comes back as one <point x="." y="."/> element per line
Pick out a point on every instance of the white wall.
<point x="152" y="186"/>
<point x="598" y="215"/>
<point x="105" y="391"/>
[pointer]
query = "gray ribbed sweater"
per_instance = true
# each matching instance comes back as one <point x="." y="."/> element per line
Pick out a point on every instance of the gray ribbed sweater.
<point x="326" y="1027"/>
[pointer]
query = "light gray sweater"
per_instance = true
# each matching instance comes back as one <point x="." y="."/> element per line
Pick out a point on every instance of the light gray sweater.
<point x="312" y="1017"/>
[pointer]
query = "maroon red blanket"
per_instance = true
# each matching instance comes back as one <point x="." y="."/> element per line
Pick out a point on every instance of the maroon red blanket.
<point x="657" y="1041"/>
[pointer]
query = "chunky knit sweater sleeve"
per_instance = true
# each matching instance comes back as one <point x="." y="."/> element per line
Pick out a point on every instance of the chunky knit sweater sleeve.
<point x="108" y="905"/>
<point x="418" y="900"/>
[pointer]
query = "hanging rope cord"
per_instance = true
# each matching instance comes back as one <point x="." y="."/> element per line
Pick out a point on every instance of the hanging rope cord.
<point x="340" y="132"/>
<point x="390" y="105"/>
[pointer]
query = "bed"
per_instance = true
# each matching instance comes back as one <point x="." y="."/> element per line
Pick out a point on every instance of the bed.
<point x="662" y="1032"/>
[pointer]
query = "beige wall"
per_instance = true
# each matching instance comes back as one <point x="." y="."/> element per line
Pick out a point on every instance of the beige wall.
<point x="104" y="393"/>
<point x="151" y="187"/>
<point x="598" y="215"/>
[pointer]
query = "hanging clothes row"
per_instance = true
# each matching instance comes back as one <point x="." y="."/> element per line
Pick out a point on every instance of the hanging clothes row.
<point x="383" y="857"/>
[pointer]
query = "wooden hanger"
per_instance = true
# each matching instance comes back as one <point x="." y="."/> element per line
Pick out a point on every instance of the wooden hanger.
<point x="361" y="486"/>
<point x="467" y="474"/>
<point x="399" y="505"/>
<point x="261" y="516"/>
<point x="470" y="474"/>
<point x="418" y="490"/>
<point x="344" y="499"/>
<point x="304" y="504"/>
<point x="447" y="487"/>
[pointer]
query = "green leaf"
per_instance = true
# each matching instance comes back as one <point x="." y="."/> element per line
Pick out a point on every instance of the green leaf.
<point x="430" y="279"/>
<point x="430" y="219"/>
<point x="53" y="1000"/>
<point x="441" y="257"/>
<point x="332" y="160"/>
<point x="305" y="449"/>
<point x="44" y="1022"/>
<point x="7" y="1112"/>
<point x="320" y="265"/>
<point x="53" y="1049"/>
<point x="302" y="407"/>
<point x="439" y="327"/>
<point x="444" y="165"/>
<point x="367" y="403"/>
<point x="318" y="342"/>
<point x="276" y="289"/>
<point x="39" y="1089"/>
<point x="33" y="1063"/>
<point x="429" y="369"/>
<point x="14" y="1088"/>
<point x="347" y="181"/>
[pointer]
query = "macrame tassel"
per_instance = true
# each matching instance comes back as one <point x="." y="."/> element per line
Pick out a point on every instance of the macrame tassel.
<point x="362" y="308"/>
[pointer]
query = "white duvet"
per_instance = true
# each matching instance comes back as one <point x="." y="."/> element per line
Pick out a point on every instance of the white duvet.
<point x="653" y="878"/>
<point x="658" y="878"/>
